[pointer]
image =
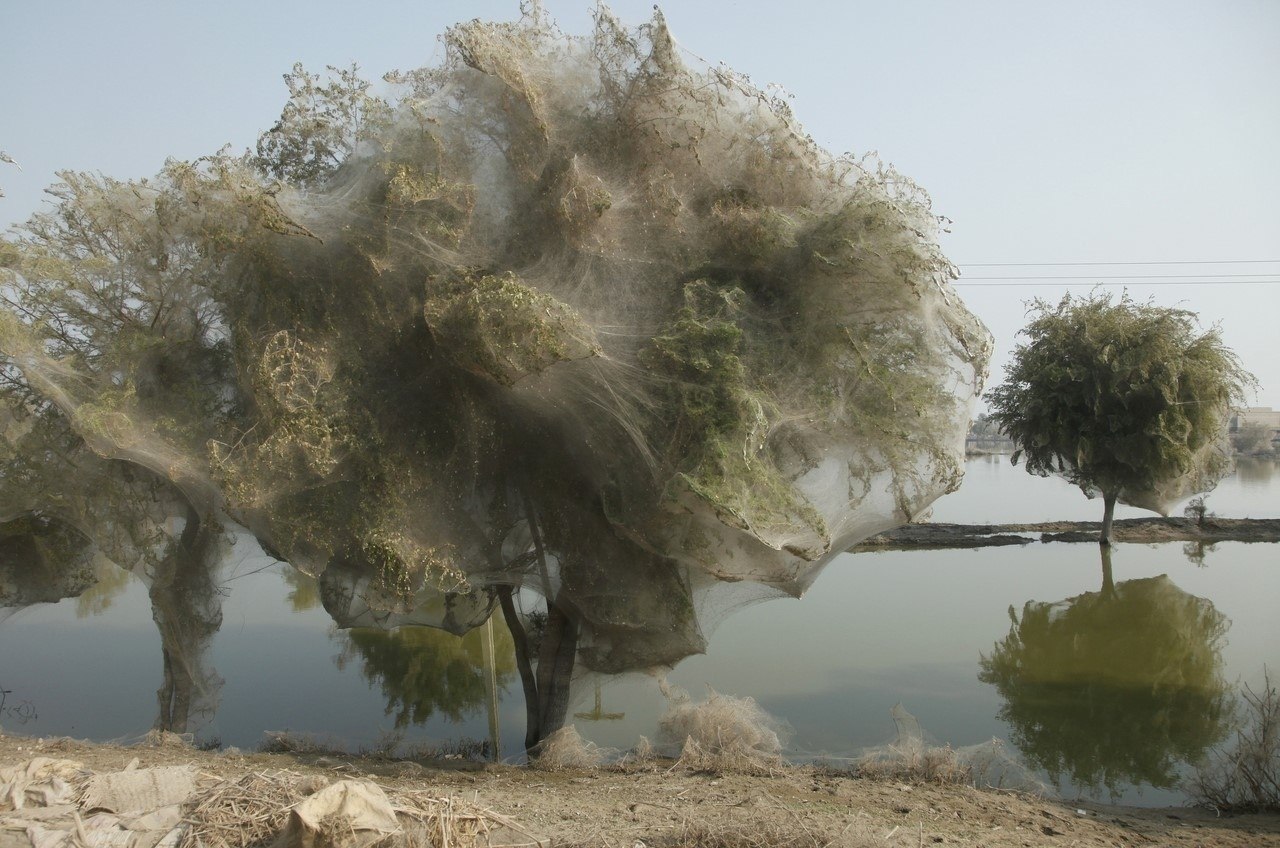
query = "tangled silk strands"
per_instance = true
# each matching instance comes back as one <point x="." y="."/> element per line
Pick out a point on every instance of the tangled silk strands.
<point x="580" y="314"/>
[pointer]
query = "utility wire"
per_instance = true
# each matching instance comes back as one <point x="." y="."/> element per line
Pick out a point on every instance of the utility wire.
<point x="1123" y="262"/>
<point x="1122" y="276"/>
<point x="1027" y="282"/>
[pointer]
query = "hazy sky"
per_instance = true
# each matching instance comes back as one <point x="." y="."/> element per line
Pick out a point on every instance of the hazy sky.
<point x="1114" y="131"/>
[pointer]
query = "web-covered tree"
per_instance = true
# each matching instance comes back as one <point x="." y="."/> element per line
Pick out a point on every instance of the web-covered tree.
<point x="577" y="328"/>
<point x="1129" y="400"/>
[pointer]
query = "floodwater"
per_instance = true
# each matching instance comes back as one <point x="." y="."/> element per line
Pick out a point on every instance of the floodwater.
<point x="1106" y="686"/>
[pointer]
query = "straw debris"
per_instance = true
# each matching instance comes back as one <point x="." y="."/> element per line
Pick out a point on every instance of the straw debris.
<point x="722" y="734"/>
<point x="566" y="749"/>
<point x="286" y="809"/>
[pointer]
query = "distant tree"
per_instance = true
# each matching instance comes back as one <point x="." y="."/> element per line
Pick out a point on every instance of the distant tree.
<point x="1252" y="439"/>
<point x="1125" y="399"/>
<point x="985" y="427"/>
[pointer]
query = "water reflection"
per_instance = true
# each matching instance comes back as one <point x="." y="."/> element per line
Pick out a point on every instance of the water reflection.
<point x="186" y="605"/>
<point x="130" y="526"/>
<point x="1112" y="687"/>
<point x="43" y="561"/>
<point x="1195" y="552"/>
<point x="424" y="671"/>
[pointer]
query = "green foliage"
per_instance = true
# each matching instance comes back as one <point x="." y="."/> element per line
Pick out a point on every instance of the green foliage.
<point x="721" y="425"/>
<point x="1254" y="439"/>
<point x="321" y="125"/>
<point x="1123" y="398"/>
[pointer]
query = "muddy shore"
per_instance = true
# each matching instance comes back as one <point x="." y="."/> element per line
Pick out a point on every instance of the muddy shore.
<point x="661" y="805"/>
<point x="1128" y="530"/>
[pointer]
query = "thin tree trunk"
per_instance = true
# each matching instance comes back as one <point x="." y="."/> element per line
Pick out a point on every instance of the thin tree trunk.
<point x="1108" y="512"/>
<point x="1108" y="582"/>
<point x="524" y="664"/>
<point x="546" y="689"/>
<point x="555" y="670"/>
<point x="165" y="694"/>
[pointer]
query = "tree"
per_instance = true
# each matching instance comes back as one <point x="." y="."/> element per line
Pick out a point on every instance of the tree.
<point x="1253" y="439"/>
<point x="1125" y="399"/>
<point x="574" y="328"/>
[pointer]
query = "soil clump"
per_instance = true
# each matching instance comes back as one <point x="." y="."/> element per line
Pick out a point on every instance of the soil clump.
<point x="1133" y="530"/>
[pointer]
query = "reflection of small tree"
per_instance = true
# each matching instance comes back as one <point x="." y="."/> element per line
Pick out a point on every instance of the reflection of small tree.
<point x="1195" y="552"/>
<point x="424" y="671"/>
<point x="304" y="590"/>
<point x="1113" y="687"/>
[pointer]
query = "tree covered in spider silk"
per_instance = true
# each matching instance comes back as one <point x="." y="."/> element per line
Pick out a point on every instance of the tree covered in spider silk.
<point x="1129" y="400"/>
<point x="576" y="319"/>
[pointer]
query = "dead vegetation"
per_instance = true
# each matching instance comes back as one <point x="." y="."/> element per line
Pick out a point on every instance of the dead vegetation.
<point x="650" y="803"/>
<point x="1246" y="776"/>
<point x="781" y="834"/>
<point x="917" y="765"/>
<point x="722" y="734"/>
<point x="248" y="811"/>
<point x="566" y="749"/>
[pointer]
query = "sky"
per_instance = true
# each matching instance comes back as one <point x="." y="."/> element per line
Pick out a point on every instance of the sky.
<point x="1083" y="132"/>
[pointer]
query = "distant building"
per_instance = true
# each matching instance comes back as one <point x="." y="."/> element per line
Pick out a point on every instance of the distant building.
<point x="1263" y="416"/>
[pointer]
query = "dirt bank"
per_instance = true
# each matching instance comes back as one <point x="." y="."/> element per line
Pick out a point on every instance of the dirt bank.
<point x="663" y="806"/>
<point x="1131" y="530"/>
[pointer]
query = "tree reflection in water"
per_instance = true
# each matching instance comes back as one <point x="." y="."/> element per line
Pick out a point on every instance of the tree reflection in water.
<point x="1113" y="687"/>
<point x="130" y="526"/>
<point x="424" y="671"/>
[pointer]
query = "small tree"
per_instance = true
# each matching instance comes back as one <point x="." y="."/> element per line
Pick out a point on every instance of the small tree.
<point x="1125" y="399"/>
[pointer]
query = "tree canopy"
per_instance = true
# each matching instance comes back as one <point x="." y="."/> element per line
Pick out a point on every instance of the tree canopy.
<point x="1130" y="400"/>
<point x="573" y="314"/>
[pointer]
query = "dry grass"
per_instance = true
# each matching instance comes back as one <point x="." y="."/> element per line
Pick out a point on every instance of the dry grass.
<point x="782" y="834"/>
<point x="254" y="810"/>
<point x="723" y="734"/>
<point x="248" y="812"/>
<point x="566" y="749"/>
<point x="1246" y="777"/>
<point x="288" y="742"/>
<point x="916" y="764"/>
<point x="725" y="756"/>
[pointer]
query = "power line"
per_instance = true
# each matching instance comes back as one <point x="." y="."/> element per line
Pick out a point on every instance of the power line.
<point x="1018" y="285"/>
<point x="1122" y="262"/>
<point x="1123" y="276"/>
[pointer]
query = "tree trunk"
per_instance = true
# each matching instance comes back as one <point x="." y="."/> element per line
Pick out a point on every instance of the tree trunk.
<point x="524" y="664"/>
<point x="1108" y="582"/>
<point x="1108" y="512"/>
<point x="555" y="670"/>
<point x="546" y="688"/>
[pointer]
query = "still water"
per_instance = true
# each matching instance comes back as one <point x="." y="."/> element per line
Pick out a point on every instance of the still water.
<point x="1107" y="687"/>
